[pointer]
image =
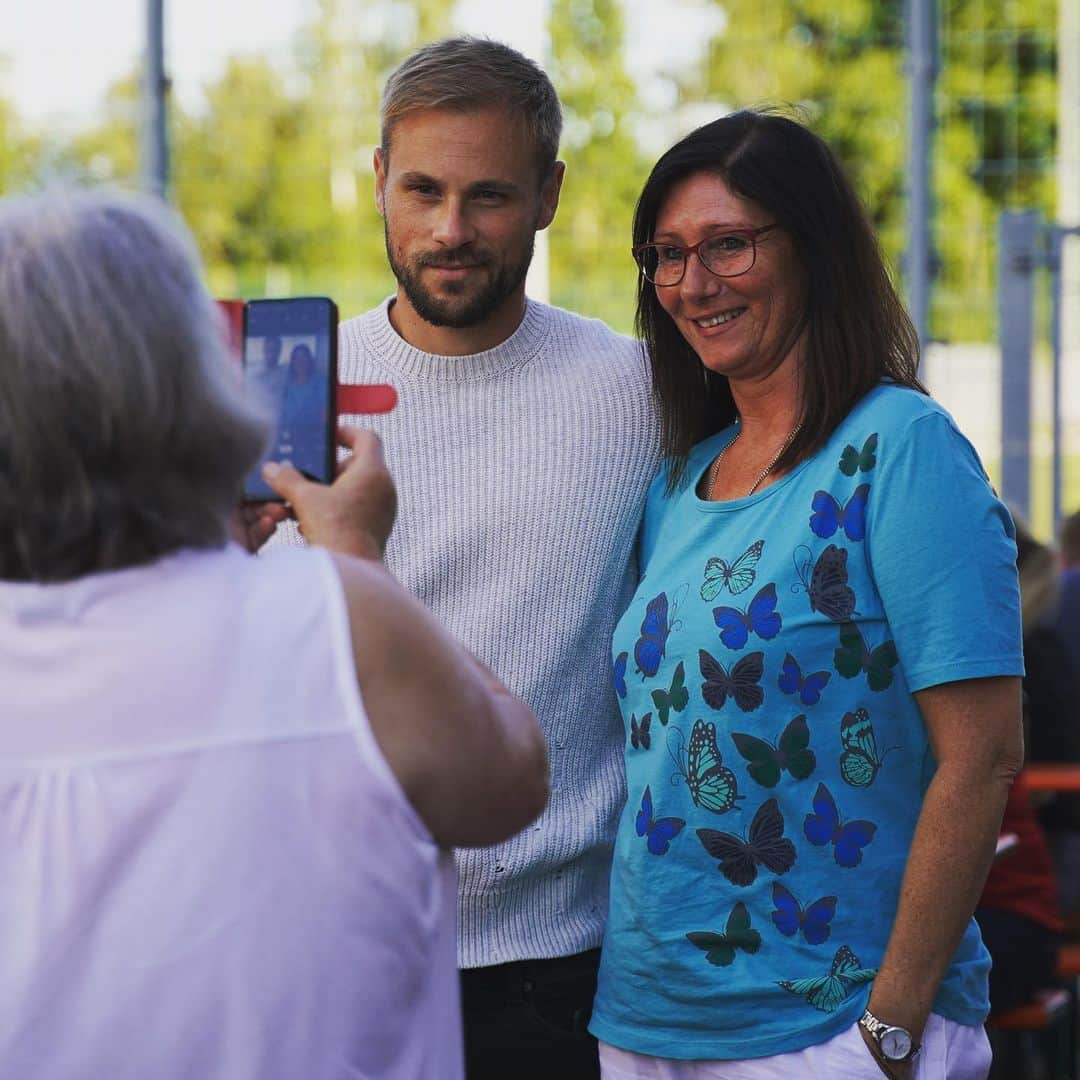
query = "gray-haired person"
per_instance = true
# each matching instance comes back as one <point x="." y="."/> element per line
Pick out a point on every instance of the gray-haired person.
<point x="227" y="793"/>
<point x="523" y="446"/>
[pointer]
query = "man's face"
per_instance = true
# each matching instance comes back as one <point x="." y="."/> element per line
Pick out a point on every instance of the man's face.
<point x="461" y="201"/>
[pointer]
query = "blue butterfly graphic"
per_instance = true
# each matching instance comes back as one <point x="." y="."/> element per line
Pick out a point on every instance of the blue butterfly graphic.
<point x="808" y="688"/>
<point x="712" y="784"/>
<point x="619" y="677"/>
<point x="826" y="581"/>
<point x="660" y="831"/>
<point x="825" y="992"/>
<point x="737" y="577"/>
<point x="790" y="916"/>
<point x="761" y="618"/>
<point x="828" y="515"/>
<point x="823" y="827"/>
<point x="655" y="628"/>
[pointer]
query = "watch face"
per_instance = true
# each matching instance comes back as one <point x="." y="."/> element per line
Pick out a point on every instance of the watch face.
<point x="895" y="1043"/>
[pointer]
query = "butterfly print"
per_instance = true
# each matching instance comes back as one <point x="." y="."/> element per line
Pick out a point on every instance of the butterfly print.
<point x="720" y="949"/>
<point x="790" y="916"/>
<point x="853" y="657"/>
<point x="619" y="674"/>
<point x="808" y="688"/>
<point x="736" y="577"/>
<point x="676" y="698"/>
<point x="828" y="515"/>
<point x="766" y="846"/>
<point x="824" y="827"/>
<point x="826" y="582"/>
<point x="767" y="761"/>
<point x="659" y="831"/>
<point x="760" y="617"/>
<point x="860" y="761"/>
<point x="741" y="685"/>
<point x="826" y="992"/>
<point x="853" y="461"/>
<point x="639" y="733"/>
<point x="711" y="783"/>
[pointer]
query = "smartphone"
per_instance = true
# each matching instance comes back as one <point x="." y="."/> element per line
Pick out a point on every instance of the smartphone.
<point x="290" y="361"/>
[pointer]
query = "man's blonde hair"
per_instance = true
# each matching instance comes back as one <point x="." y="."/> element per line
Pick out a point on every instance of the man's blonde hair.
<point x="470" y="73"/>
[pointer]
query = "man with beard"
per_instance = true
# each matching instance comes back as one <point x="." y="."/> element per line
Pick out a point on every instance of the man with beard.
<point x="522" y="447"/>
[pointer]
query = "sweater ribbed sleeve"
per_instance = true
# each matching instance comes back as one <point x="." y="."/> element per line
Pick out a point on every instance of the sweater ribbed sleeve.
<point x="522" y="474"/>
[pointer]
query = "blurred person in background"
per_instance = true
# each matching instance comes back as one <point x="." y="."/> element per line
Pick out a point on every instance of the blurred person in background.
<point x="823" y="709"/>
<point x="523" y="445"/>
<point x="1018" y="912"/>
<point x="1052" y="695"/>
<point x="1068" y="613"/>
<point x="228" y="792"/>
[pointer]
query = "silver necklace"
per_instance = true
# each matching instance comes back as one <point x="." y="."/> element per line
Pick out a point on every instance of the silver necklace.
<point x="714" y="468"/>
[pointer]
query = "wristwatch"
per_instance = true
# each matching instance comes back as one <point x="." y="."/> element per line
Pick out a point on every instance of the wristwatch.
<point x="895" y="1043"/>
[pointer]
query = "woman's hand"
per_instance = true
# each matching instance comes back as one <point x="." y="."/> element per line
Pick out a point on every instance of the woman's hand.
<point x="898" y="1070"/>
<point x="355" y="514"/>
<point x="253" y="523"/>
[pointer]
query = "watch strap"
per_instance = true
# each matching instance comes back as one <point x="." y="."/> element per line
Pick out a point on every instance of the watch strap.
<point x="876" y="1027"/>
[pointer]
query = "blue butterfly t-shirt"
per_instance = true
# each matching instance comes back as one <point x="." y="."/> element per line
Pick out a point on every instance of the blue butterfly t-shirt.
<point x="776" y="760"/>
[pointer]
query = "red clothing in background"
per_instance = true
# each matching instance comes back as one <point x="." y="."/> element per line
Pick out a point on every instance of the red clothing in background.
<point x="1022" y="881"/>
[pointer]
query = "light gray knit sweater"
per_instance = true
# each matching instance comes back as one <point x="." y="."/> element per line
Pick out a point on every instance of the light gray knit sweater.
<point x="521" y="476"/>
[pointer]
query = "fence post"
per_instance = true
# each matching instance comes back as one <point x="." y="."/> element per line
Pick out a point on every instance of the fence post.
<point x="922" y="68"/>
<point x="154" y="144"/>
<point x="1018" y="256"/>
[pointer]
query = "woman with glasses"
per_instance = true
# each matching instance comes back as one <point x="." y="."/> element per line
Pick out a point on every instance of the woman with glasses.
<point x="819" y="672"/>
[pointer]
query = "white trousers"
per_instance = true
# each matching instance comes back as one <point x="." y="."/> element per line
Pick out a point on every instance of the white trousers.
<point x="950" y="1051"/>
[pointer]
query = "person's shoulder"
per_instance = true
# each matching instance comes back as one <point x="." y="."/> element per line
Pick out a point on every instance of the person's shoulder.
<point x="594" y="335"/>
<point x="374" y="319"/>
<point x="891" y="410"/>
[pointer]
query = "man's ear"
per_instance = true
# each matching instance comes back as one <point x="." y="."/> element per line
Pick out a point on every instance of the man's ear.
<point x="379" y="162"/>
<point x="549" y="195"/>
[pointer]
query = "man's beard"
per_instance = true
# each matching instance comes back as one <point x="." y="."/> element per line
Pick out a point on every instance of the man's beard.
<point x="456" y="312"/>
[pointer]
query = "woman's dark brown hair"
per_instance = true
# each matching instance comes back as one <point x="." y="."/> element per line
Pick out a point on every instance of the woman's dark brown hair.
<point x="857" y="331"/>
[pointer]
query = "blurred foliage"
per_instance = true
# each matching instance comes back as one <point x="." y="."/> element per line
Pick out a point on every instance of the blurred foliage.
<point x="273" y="172"/>
<point x="605" y="170"/>
<point x="841" y="64"/>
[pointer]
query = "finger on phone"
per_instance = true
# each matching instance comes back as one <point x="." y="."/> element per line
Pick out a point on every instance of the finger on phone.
<point x="284" y="479"/>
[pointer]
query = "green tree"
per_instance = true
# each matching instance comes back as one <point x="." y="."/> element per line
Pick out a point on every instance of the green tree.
<point x="842" y="63"/>
<point x="18" y="151"/>
<point x="591" y="268"/>
<point x="837" y="62"/>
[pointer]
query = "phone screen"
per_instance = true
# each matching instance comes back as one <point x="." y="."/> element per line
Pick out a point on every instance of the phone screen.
<point x="290" y="361"/>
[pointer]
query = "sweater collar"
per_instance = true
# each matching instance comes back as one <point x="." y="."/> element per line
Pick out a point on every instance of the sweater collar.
<point x="383" y="342"/>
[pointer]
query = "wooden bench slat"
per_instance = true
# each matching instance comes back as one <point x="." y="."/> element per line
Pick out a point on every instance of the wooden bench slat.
<point x="1048" y="1007"/>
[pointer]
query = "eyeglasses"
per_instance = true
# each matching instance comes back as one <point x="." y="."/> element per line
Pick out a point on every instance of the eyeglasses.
<point x="725" y="255"/>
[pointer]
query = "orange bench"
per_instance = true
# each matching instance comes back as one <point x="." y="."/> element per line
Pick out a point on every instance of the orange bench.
<point x="1047" y="1009"/>
<point x="1069" y="961"/>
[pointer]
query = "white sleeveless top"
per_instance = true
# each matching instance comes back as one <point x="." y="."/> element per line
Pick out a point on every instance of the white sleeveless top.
<point x="207" y="868"/>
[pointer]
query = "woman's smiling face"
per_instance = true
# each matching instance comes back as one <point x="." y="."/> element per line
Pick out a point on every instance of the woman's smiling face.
<point x="744" y="327"/>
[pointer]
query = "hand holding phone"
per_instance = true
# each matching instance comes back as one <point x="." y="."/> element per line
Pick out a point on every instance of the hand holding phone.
<point x="355" y="514"/>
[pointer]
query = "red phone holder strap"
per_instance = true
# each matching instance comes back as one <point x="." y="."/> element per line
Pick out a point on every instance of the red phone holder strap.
<point x="356" y="398"/>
